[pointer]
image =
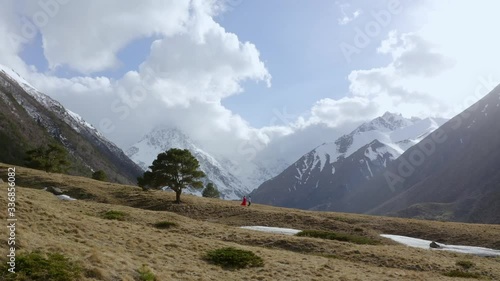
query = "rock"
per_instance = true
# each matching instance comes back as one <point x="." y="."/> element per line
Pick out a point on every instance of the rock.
<point x="54" y="190"/>
<point x="434" y="245"/>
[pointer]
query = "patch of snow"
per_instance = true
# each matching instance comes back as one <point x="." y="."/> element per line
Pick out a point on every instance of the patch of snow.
<point x="277" y="230"/>
<point x="417" y="131"/>
<point x="322" y="152"/>
<point x="65" y="197"/>
<point x="424" y="244"/>
<point x="369" y="169"/>
<point x="299" y="171"/>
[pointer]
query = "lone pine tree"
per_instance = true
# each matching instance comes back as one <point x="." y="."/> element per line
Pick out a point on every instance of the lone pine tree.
<point x="176" y="169"/>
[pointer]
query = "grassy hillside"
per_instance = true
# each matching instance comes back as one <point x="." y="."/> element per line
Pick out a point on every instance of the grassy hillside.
<point x="113" y="231"/>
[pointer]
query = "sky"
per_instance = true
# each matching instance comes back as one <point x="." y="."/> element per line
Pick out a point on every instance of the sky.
<point x="249" y="79"/>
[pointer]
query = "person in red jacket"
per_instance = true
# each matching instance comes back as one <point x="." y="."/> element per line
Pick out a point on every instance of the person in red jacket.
<point x="244" y="202"/>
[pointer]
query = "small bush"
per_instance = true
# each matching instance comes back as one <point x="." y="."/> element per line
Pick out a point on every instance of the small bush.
<point x="36" y="266"/>
<point x="145" y="274"/>
<point x="461" y="274"/>
<point x="165" y="224"/>
<point x="465" y="264"/>
<point x="115" y="215"/>
<point x="338" y="236"/>
<point x="234" y="258"/>
<point x="100" y="175"/>
<point x="211" y="191"/>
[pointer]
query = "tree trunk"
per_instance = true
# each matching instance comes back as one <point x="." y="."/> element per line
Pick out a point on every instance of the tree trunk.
<point x="178" y="196"/>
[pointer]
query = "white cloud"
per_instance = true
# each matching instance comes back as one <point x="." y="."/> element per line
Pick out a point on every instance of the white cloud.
<point x="412" y="55"/>
<point x="335" y="113"/>
<point x="434" y="69"/>
<point x="191" y="67"/>
<point x="86" y="35"/>
<point x="11" y="42"/>
<point x="208" y="66"/>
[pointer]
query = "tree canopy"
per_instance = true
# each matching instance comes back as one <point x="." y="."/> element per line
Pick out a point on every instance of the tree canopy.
<point x="176" y="169"/>
<point x="52" y="158"/>
<point x="100" y="175"/>
<point x="211" y="191"/>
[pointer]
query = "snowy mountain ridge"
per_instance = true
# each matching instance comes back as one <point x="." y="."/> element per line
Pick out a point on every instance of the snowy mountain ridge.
<point x="84" y="142"/>
<point x="332" y="170"/>
<point x="72" y="118"/>
<point x="393" y="130"/>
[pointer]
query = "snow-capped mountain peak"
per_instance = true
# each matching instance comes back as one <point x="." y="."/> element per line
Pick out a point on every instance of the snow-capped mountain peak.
<point x="166" y="137"/>
<point x="395" y="132"/>
<point x="332" y="170"/>
<point x="387" y="122"/>
<point x="162" y="138"/>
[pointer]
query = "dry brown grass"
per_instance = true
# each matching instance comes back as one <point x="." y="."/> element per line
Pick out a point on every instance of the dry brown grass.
<point x="114" y="250"/>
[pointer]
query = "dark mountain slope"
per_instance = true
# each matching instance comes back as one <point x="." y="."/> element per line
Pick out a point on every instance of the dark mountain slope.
<point x="453" y="174"/>
<point x="29" y="118"/>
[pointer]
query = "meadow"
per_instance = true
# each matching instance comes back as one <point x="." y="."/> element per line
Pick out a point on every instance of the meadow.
<point x="117" y="232"/>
